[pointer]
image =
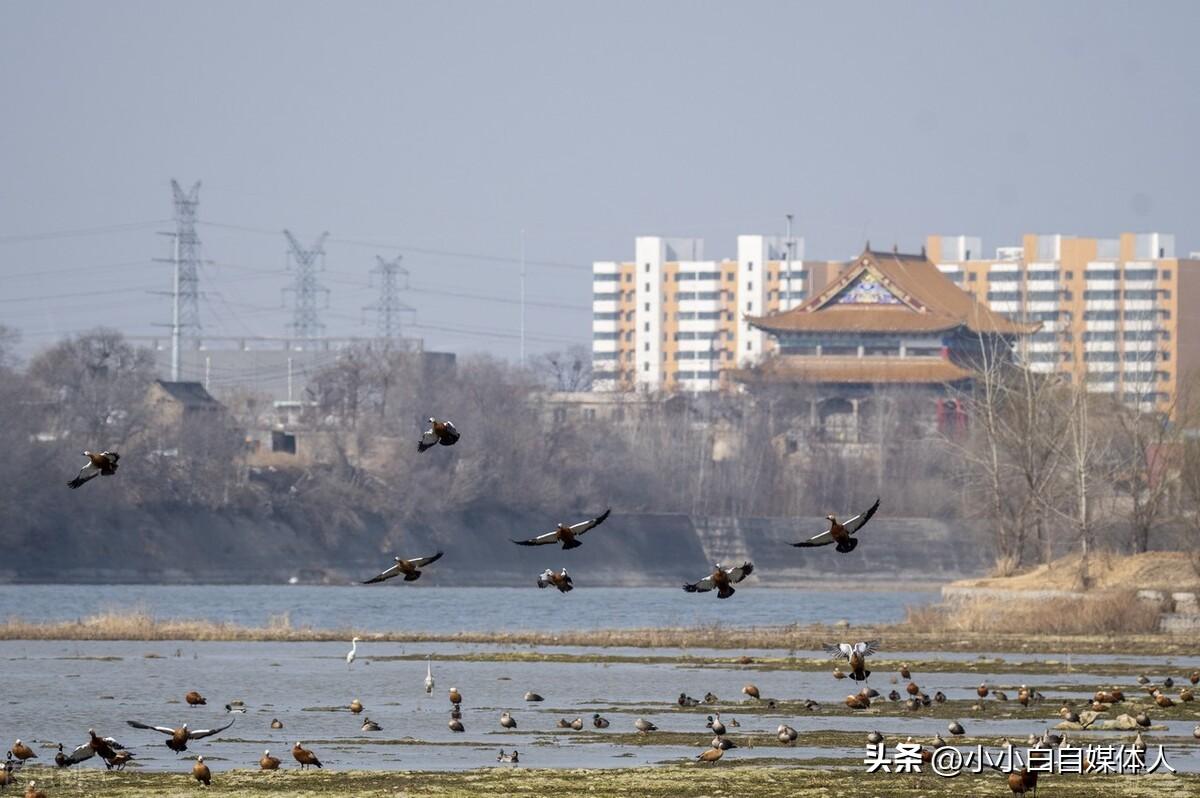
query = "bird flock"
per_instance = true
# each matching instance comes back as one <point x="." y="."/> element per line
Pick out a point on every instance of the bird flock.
<point x="442" y="432"/>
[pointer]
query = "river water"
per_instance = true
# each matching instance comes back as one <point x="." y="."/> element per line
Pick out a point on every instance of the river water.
<point x="389" y="607"/>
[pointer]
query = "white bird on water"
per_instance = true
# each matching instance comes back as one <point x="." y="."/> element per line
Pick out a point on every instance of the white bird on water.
<point x="353" y="652"/>
<point x="428" y="675"/>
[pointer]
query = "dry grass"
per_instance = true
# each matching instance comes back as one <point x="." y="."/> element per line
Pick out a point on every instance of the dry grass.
<point x="982" y="626"/>
<point x="1107" y="612"/>
<point x="1158" y="570"/>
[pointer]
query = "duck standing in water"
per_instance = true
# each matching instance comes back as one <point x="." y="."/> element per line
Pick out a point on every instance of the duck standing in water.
<point x="841" y="533"/>
<point x="567" y="535"/>
<point x="194" y="699"/>
<point x="22" y="752"/>
<point x="723" y="579"/>
<point x="439" y="432"/>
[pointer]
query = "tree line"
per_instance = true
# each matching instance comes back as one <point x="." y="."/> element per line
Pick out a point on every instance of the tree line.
<point x="1041" y="468"/>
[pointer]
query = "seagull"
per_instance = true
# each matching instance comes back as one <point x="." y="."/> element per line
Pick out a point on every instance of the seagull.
<point x="407" y="567"/>
<point x="442" y="432"/>
<point x="566" y="534"/>
<point x="723" y="579"/>
<point x="304" y="756"/>
<point x="840" y="533"/>
<point x="99" y="463"/>
<point x="561" y="580"/>
<point x="353" y="653"/>
<point x="178" y="738"/>
<point x="428" y="676"/>
<point x="856" y="655"/>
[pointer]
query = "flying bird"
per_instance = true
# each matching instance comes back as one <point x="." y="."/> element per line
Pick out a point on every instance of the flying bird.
<point x="98" y="464"/>
<point x="178" y="739"/>
<point x="723" y="579"/>
<point x="560" y="580"/>
<point x="442" y="432"/>
<point x="566" y="534"/>
<point x="410" y="569"/>
<point x="856" y="655"/>
<point x="840" y="533"/>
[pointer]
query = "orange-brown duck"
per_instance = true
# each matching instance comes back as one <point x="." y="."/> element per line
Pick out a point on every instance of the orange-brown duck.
<point x="439" y="432"/>
<point x="201" y="773"/>
<point x="305" y="757"/>
<point x="409" y="568"/>
<point x="841" y="533"/>
<point x="723" y="579"/>
<point x="98" y="464"/>
<point x="22" y="752"/>
<point x="560" y="580"/>
<point x="567" y="535"/>
<point x="268" y="762"/>
<point x="856" y="655"/>
<point x="194" y="699"/>
<point x="177" y="739"/>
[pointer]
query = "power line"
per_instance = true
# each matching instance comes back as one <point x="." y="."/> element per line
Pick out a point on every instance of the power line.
<point x="82" y="231"/>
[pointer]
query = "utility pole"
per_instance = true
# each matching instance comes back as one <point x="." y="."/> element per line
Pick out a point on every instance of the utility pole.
<point x="393" y="278"/>
<point x="306" y="324"/>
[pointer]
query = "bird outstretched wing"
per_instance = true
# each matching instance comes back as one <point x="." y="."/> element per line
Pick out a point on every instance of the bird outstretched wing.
<point x="741" y="572"/>
<point x="584" y="526"/>
<point x="540" y="540"/>
<point x="823" y="539"/>
<point x="197" y="734"/>
<point x="164" y="729"/>
<point x="856" y="523"/>
<point x="703" y="586"/>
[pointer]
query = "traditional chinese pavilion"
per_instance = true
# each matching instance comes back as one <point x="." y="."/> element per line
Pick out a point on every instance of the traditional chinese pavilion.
<point x="889" y="320"/>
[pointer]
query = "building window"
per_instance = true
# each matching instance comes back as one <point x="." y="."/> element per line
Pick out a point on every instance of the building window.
<point x="629" y="278"/>
<point x="750" y="266"/>
<point x="647" y="307"/>
<point x="645" y="367"/>
<point x="749" y="306"/>
<point x="750" y="286"/>
<point x="647" y="346"/>
<point x="972" y="277"/>
<point x="647" y="326"/>
<point x="749" y="346"/>
<point x="1166" y="274"/>
<point x="1070" y="275"/>
<point x="647" y="268"/>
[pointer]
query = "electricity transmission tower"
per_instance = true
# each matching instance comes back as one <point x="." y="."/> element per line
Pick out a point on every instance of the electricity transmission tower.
<point x="188" y="257"/>
<point x="393" y="278"/>
<point x="306" y="325"/>
<point x="185" y="258"/>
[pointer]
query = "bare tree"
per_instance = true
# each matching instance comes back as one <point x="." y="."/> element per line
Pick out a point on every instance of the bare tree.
<point x="568" y="371"/>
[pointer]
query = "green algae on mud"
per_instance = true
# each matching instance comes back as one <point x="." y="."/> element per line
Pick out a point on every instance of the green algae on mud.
<point x="668" y="781"/>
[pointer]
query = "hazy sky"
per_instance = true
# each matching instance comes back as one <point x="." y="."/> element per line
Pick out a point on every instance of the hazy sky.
<point x="445" y="128"/>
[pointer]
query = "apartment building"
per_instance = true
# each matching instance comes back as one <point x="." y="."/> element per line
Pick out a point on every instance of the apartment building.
<point x="672" y="320"/>
<point x="1116" y="313"/>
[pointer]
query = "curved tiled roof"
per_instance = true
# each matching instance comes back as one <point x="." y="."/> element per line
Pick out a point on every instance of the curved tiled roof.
<point x="925" y="300"/>
<point x="928" y="370"/>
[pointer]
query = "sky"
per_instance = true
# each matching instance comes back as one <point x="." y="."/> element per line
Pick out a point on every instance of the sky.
<point x="441" y="131"/>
